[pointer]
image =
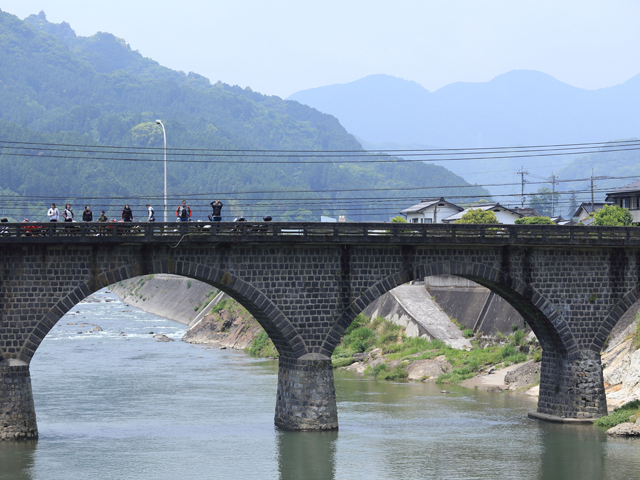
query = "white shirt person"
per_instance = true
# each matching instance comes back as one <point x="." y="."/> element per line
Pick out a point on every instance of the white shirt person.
<point x="53" y="213"/>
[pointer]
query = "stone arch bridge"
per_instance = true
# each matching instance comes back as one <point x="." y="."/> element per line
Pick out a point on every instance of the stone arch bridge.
<point x="306" y="282"/>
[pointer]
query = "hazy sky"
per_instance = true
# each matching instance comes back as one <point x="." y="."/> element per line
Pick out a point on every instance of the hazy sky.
<point x="280" y="47"/>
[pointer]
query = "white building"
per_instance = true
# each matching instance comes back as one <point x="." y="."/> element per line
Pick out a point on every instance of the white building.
<point x="504" y="215"/>
<point x="431" y="210"/>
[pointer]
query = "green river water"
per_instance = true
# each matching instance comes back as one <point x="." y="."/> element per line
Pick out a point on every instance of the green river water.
<point x="114" y="406"/>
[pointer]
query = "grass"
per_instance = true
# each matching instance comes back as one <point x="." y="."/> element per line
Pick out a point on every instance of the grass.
<point x="619" y="415"/>
<point x="364" y="335"/>
<point x="262" y="346"/>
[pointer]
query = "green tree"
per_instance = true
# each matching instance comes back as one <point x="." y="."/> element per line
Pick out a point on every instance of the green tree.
<point x="398" y="219"/>
<point x="612" y="215"/>
<point x="475" y="215"/>
<point x="534" y="221"/>
<point x="543" y="202"/>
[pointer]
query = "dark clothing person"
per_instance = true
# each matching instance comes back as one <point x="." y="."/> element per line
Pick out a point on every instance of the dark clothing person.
<point x="68" y="214"/>
<point x="103" y="218"/>
<point x="87" y="215"/>
<point x="183" y="212"/>
<point x="216" y="214"/>
<point x="127" y="214"/>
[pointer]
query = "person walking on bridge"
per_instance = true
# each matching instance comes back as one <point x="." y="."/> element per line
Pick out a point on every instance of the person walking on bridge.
<point x="216" y="215"/>
<point x="127" y="214"/>
<point x="183" y="212"/>
<point x="53" y="213"/>
<point x="67" y="213"/>
<point x="152" y="213"/>
<point x="87" y="215"/>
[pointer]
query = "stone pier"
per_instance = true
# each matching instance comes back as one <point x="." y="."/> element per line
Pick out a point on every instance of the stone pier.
<point x="306" y="397"/>
<point x="17" y="411"/>
<point x="571" y="386"/>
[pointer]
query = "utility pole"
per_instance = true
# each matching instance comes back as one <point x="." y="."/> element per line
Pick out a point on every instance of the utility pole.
<point x="554" y="182"/>
<point x="592" y="202"/>
<point x="522" y="173"/>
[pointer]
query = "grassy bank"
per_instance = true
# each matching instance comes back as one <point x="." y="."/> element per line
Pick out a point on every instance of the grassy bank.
<point x="629" y="412"/>
<point x="388" y="340"/>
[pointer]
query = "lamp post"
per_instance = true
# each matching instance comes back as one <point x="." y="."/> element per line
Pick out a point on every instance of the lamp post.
<point x="164" y="133"/>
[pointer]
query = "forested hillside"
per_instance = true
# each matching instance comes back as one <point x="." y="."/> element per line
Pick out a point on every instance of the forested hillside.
<point x="57" y="88"/>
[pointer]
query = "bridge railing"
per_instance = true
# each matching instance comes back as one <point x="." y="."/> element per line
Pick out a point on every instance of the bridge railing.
<point x="308" y="231"/>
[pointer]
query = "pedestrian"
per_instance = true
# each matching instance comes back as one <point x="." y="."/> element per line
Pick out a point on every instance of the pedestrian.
<point x="53" y="213"/>
<point x="127" y="214"/>
<point x="102" y="217"/>
<point x="183" y="212"/>
<point x="87" y="215"/>
<point x="152" y="213"/>
<point x="216" y="215"/>
<point x="67" y="213"/>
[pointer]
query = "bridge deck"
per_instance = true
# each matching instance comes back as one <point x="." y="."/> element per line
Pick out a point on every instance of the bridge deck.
<point x="307" y="232"/>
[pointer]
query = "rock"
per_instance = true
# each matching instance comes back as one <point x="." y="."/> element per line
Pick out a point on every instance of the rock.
<point x="150" y="333"/>
<point x="625" y="430"/>
<point x="223" y="348"/>
<point x="79" y="333"/>
<point x="162" y="338"/>
<point x="432" y="368"/>
<point x="523" y="376"/>
<point x="71" y="323"/>
<point x="445" y="391"/>
<point x="375" y="353"/>
<point x="97" y="329"/>
<point x="226" y="325"/>
<point x="360" y="357"/>
<point x="533" y="391"/>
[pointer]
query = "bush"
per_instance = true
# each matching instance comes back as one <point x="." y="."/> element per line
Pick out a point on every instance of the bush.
<point x="534" y="221"/>
<point x="467" y="333"/>
<point x="619" y="415"/>
<point x="612" y="215"/>
<point x="475" y="215"/>
<point x="262" y="346"/>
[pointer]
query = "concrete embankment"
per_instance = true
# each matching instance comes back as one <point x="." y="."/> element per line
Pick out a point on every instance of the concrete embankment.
<point x="213" y="317"/>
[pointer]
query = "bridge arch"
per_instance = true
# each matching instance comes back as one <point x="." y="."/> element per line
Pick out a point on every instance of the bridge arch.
<point x="277" y="326"/>
<point x="615" y="315"/>
<point x="547" y="323"/>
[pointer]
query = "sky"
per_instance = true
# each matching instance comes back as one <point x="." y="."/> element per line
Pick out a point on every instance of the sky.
<point x="281" y="47"/>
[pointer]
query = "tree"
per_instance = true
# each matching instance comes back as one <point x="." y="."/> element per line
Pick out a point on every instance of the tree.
<point x="398" y="219"/>
<point x="612" y="215"/>
<point x="475" y="215"/>
<point x="573" y="203"/>
<point x="534" y="221"/>
<point x="543" y="201"/>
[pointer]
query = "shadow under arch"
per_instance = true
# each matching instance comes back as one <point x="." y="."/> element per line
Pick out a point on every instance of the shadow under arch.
<point x="547" y="323"/>
<point x="277" y="326"/>
<point x="616" y="314"/>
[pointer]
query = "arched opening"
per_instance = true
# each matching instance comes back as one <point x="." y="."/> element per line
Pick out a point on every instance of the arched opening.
<point x="263" y="310"/>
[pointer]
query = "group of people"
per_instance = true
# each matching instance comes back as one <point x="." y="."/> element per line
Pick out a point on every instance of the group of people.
<point x="183" y="213"/>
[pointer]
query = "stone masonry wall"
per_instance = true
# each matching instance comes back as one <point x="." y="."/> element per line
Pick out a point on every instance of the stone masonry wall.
<point x="17" y="412"/>
<point x="305" y="296"/>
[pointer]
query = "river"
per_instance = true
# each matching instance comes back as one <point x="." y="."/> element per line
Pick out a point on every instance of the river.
<point x="117" y="404"/>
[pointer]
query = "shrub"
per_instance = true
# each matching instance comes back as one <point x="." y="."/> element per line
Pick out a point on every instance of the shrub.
<point x="467" y="333"/>
<point x="612" y="215"/>
<point x="475" y="215"/>
<point x="534" y="221"/>
<point x="619" y="415"/>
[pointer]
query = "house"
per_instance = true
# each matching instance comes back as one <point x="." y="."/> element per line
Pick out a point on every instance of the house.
<point x="627" y="197"/>
<point x="585" y="209"/>
<point x="431" y="210"/>
<point x="504" y="215"/>
<point x="562" y="221"/>
<point x="527" y="211"/>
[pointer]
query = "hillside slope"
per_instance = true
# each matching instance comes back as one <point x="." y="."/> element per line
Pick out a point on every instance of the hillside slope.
<point x="57" y="88"/>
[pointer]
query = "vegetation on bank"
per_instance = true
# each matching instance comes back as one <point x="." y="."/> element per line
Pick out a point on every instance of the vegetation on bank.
<point x="629" y="412"/>
<point x="365" y="335"/>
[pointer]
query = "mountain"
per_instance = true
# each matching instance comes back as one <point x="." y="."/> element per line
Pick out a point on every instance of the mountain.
<point x="58" y="88"/>
<point x="517" y="108"/>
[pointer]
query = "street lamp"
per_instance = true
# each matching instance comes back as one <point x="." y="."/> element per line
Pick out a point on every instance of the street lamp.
<point x="164" y="133"/>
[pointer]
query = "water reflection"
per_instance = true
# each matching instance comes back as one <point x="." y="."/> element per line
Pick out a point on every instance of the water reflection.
<point x="308" y="455"/>
<point x="16" y="460"/>
<point x="571" y="451"/>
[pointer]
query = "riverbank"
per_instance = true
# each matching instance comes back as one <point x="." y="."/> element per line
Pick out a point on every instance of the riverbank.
<point x="378" y="348"/>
